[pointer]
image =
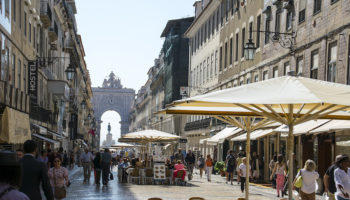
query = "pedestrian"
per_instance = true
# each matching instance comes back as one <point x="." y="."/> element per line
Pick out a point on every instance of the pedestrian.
<point x="10" y="177"/>
<point x="271" y="167"/>
<point x="342" y="178"/>
<point x="230" y="167"/>
<point x="43" y="157"/>
<point x="309" y="177"/>
<point x="114" y="159"/>
<point x="209" y="167"/>
<point x="58" y="179"/>
<point x="243" y="172"/>
<point x="34" y="172"/>
<point x="71" y="160"/>
<point x="328" y="180"/>
<point x="239" y="161"/>
<point x="86" y="159"/>
<point x="179" y="156"/>
<point x="201" y="164"/>
<point x="255" y="166"/>
<point x="65" y="161"/>
<point x="19" y="153"/>
<point x="280" y="169"/>
<point x="106" y="161"/>
<point x="190" y="161"/>
<point x="52" y="157"/>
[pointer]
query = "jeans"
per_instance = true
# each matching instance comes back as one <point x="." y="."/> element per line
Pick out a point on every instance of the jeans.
<point x="242" y="183"/>
<point x="105" y="173"/>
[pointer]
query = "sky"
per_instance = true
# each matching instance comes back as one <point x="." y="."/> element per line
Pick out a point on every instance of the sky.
<point x="124" y="37"/>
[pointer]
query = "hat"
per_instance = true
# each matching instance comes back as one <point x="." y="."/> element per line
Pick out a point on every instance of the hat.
<point x="341" y="158"/>
<point x="8" y="158"/>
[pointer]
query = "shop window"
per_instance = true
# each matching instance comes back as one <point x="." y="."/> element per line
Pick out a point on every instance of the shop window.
<point x="258" y="24"/>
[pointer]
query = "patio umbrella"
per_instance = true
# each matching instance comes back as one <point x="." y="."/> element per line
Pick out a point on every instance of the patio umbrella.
<point x="288" y="100"/>
<point x="148" y="136"/>
<point x="121" y="145"/>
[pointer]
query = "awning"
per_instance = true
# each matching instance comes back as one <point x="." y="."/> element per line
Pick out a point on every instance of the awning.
<point x="254" y="135"/>
<point x="333" y="125"/>
<point x="223" y="134"/>
<point x="54" y="142"/>
<point x="303" y="128"/>
<point x="40" y="129"/>
<point x="15" y="127"/>
<point x="56" y="134"/>
<point x="166" y="146"/>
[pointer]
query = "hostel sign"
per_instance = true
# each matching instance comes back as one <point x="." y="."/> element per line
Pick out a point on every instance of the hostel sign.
<point x="33" y="80"/>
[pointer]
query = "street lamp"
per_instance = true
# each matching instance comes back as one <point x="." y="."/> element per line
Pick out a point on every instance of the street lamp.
<point x="83" y="104"/>
<point x="89" y="116"/>
<point x="249" y="49"/>
<point x="70" y="72"/>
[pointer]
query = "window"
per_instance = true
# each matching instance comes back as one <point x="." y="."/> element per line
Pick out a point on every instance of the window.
<point x="225" y="56"/>
<point x="300" y="64"/>
<point x="317" y="6"/>
<point x="227" y="8"/>
<point x="256" y="78"/>
<point x="275" y="72"/>
<point x="278" y="21"/>
<point x="217" y="19"/>
<point x="243" y="40"/>
<point x="220" y="60"/>
<point x="267" y="29"/>
<point x="248" y="80"/>
<point x="20" y="14"/>
<point x="25" y="78"/>
<point x="204" y="71"/>
<point x="13" y="73"/>
<point x="14" y="10"/>
<point x="286" y="68"/>
<point x="222" y="13"/>
<point x="5" y="65"/>
<point x="333" y="1"/>
<point x="232" y="7"/>
<point x="216" y="62"/>
<point x="212" y="24"/>
<point x="314" y="64"/>
<point x="212" y="65"/>
<point x="231" y="49"/>
<point x="34" y="40"/>
<point x="208" y="68"/>
<point x="7" y="8"/>
<point x="200" y="74"/>
<point x="289" y="20"/>
<point x="258" y="24"/>
<point x="265" y="75"/>
<point x="209" y="27"/>
<point x="19" y="72"/>
<point x="237" y="37"/>
<point x="302" y="10"/>
<point x="332" y="62"/>
<point x="205" y="32"/>
<point x="25" y="24"/>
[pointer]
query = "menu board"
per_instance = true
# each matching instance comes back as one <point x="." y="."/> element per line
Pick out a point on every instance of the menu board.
<point x="159" y="171"/>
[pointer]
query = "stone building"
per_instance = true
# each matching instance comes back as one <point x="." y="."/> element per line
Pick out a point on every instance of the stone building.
<point x="40" y="42"/>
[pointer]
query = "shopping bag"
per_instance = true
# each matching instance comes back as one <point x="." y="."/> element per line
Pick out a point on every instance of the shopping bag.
<point x="299" y="182"/>
<point x="296" y="195"/>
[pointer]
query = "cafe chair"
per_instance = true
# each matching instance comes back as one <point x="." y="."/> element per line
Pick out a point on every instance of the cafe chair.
<point x="196" y="198"/>
<point x="178" y="178"/>
<point x="148" y="176"/>
<point x="135" y="175"/>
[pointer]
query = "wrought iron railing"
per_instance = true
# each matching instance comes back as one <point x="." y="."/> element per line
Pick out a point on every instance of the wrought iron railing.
<point x="13" y="97"/>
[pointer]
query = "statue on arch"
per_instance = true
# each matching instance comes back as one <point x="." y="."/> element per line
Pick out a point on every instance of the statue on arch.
<point x="112" y="82"/>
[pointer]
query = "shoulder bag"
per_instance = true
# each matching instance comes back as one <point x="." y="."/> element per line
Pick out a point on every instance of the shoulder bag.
<point x="60" y="192"/>
<point x="299" y="182"/>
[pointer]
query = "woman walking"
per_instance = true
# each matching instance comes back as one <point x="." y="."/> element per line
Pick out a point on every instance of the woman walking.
<point x="342" y="177"/>
<point x="280" y="171"/>
<point x="97" y="168"/>
<point x="201" y="164"/>
<point x="309" y="177"/>
<point x="271" y="167"/>
<point x="209" y="167"/>
<point x="59" y="179"/>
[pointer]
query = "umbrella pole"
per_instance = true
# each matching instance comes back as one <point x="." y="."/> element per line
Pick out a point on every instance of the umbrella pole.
<point x="247" y="165"/>
<point x="290" y="147"/>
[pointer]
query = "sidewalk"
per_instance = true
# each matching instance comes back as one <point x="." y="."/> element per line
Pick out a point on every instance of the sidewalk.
<point x="73" y="172"/>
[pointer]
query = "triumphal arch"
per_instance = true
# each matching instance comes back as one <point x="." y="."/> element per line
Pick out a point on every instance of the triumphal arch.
<point x="113" y="96"/>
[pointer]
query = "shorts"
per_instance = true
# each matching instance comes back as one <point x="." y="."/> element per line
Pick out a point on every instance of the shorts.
<point x="230" y="169"/>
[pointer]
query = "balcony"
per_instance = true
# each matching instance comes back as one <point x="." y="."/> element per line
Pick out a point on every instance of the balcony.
<point x="53" y="33"/>
<point x="58" y="88"/>
<point x="200" y="124"/>
<point x="45" y="13"/>
<point x="13" y="97"/>
<point x="40" y="114"/>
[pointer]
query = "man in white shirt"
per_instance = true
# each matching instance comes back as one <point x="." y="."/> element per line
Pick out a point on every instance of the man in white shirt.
<point x="86" y="159"/>
<point x="243" y="173"/>
<point x="342" y="178"/>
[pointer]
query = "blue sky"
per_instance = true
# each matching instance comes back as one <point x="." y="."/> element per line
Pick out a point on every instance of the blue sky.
<point x="124" y="37"/>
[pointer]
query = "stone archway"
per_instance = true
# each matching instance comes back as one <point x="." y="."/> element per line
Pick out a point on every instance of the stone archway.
<point x="112" y="96"/>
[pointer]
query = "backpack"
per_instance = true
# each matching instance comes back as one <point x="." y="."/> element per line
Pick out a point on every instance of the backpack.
<point x="231" y="161"/>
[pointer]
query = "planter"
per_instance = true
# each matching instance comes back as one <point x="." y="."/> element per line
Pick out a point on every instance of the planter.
<point x="222" y="173"/>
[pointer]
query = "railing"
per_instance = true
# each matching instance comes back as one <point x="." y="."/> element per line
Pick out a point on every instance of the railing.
<point x="40" y="114"/>
<point x="13" y="97"/>
<point x="200" y="124"/>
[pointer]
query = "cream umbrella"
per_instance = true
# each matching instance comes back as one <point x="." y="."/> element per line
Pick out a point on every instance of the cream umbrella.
<point x="288" y="100"/>
<point x="148" y="136"/>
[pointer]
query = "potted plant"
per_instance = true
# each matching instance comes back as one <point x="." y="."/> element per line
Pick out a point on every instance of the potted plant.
<point x="220" y="167"/>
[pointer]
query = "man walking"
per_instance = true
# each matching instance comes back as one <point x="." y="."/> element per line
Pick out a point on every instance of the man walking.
<point x="86" y="159"/>
<point x="230" y="166"/>
<point x="106" y="161"/>
<point x="190" y="161"/>
<point x="34" y="172"/>
<point x="328" y="180"/>
<point x="179" y="156"/>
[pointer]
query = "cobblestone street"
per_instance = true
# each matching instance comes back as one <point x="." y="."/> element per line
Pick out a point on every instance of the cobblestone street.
<point x="216" y="190"/>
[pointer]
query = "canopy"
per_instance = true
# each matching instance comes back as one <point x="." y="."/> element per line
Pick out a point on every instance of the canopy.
<point x="15" y="127"/>
<point x="332" y="125"/>
<point x="343" y="143"/>
<point x="121" y="145"/>
<point x="302" y="128"/>
<point x="223" y="134"/>
<point x="54" y="142"/>
<point x="148" y="136"/>
<point x="253" y="135"/>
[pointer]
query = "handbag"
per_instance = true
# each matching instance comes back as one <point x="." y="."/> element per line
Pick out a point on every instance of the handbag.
<point x="299" y="182"/>
<point x="60" y="192"/>
<point x="111" y="176"/>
